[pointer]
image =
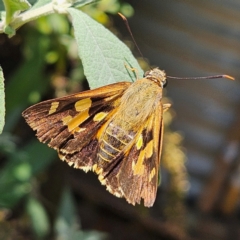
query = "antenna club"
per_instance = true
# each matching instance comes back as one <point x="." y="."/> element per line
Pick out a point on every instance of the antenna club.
<point x="229" y="77"/>
<point x="122" y="16"/>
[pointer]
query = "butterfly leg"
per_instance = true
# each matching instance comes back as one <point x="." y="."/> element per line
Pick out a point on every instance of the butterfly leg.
<point x="132" y="69"/>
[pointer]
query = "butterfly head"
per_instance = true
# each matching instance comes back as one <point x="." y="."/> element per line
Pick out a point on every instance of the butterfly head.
<point x="158" y="76"/>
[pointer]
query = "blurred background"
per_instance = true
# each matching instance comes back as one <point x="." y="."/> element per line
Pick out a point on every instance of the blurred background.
<point x="43" y="198"/>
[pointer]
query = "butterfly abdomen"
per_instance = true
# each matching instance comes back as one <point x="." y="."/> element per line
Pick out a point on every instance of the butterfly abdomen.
<point x="113" y="141"/>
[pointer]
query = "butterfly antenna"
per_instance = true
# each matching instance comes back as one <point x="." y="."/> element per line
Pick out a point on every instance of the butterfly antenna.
<point x="129" y="30"/>
<point x="207" y="77"/>
<point x="180" y="78"/>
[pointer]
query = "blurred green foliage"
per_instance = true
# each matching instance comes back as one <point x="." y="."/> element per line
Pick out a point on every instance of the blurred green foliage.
<point x="65" y="225"/>
<point x="2" y="101"/>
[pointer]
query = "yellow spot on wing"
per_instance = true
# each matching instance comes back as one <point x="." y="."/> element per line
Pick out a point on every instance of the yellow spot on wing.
<point x="139" y="142"/>
<point x="66" y="119"/>
<point x="83" y="104"/>
<point x="149" y="149"/>
<point x="99" y="116"/>
<point x="80" y="129"/>
<point x="133" y="165"/>
<point x="139" y="167"/>
<point x="101" y="131"/>
<point x="77" y="129"/>
<point x="144" y="154"/>
<point x="53" y="107"/>
<point x="152" y="174"/>
<point x="77" y="120"/>
<point x="103" y="128"/>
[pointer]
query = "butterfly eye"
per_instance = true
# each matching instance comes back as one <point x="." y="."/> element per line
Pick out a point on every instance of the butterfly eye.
<point x="166" y="83"/>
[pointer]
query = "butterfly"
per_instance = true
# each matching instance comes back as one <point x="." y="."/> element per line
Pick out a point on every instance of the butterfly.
<point x="115" y="131"/>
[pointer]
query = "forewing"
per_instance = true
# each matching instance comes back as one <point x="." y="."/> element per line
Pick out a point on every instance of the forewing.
<point x="70" y="124"/>
<point x="138" y="174"/>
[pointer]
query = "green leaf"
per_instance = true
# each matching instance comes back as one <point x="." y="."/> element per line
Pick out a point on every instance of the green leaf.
<point x="7" y="143"/>
<point x="67" y="225"/>
<point x="2" y="4"/>
<point x="105" y="58"/>
<point x="92" y="235"/>
<point x="2" y="101"/>
<point x="75" y="3"/>
<point x="14" y="6"/>
<point x="9" y="30"/>
<point x="81" y="3"/>
<point x="40" y="3"/>
<point x="67" y="209"/>
<point x="39" y="219"/>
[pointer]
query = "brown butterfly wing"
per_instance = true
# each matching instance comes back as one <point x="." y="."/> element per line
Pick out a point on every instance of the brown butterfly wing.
<point x="70" y="124"/>
<point x="138" y="174"/>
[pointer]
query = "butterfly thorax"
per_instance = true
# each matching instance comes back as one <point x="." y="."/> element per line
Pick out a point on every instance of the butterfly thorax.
<point x="137" y="105"/>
